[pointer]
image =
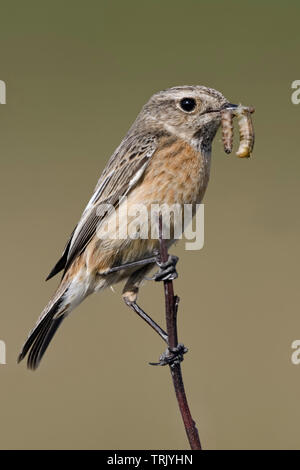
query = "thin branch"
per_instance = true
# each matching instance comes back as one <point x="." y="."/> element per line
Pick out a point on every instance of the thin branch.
<point x="171" y="302"/>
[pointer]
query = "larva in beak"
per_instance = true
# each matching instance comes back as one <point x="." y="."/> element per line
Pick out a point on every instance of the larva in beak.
<point x="246" y="130"/>
<point x="227" y="129"/>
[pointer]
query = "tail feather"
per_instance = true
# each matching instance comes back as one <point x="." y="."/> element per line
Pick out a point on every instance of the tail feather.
<point x="31" y="338"/>
<point x="39" y="338"/>
<point x="41" y="343"/>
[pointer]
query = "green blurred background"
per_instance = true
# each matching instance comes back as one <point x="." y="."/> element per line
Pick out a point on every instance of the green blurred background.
<point x="77" y="74"/>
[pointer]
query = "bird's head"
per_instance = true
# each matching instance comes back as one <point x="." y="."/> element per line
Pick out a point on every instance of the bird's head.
<point x="192" y="113"/>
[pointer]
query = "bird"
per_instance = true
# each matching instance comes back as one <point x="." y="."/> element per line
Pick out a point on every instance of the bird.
<point x="164" y="158"/>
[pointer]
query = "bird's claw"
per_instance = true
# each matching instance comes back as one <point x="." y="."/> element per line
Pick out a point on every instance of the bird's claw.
<point x="167" y="271"/>
<point x="171" y="356"/>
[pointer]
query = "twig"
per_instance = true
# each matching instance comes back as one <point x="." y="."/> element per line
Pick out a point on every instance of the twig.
<point x="171" y="302"/>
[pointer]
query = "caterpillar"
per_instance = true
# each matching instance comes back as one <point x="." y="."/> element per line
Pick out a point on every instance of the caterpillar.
<point x="246" y="131"/>
<point x="227" y="129"/>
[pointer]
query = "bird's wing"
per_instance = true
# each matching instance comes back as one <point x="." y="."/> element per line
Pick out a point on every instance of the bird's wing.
<point x="123" y="171"/>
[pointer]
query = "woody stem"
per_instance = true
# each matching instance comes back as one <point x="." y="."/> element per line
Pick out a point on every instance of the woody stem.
<point x="171" y="306"/>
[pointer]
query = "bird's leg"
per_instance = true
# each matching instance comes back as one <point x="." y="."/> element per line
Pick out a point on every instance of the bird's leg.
<point x="137" y="309"/>
<point x="140" y="262"/>
<point x="130" y="292"/>
<point x="167" y="271"/>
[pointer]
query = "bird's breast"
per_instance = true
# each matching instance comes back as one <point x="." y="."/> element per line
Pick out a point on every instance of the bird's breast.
<point x="177" y="174"/>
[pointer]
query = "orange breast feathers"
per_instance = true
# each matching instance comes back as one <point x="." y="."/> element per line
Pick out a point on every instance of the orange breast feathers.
<point x="177" y="174"/>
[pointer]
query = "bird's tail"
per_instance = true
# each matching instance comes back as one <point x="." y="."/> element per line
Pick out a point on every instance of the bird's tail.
<point x="40" y="336"/>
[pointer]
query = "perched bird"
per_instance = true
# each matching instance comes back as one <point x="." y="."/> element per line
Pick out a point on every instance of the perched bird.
<point x="164" y="158"/>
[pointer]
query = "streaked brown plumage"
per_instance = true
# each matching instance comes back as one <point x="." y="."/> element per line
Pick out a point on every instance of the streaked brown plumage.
<point x="164" y="158"/>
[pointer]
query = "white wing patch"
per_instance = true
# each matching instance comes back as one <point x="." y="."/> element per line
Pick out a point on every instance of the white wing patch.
<point x="97" y="193"/>
<point x="137" y="176"/>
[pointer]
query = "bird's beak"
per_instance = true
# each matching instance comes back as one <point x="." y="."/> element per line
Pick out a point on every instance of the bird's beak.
<point x="228" y="106"/>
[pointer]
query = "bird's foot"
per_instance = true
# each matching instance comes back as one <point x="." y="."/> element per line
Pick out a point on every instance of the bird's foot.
<point x="171" y="356"/>
<point x="167" y="271"/>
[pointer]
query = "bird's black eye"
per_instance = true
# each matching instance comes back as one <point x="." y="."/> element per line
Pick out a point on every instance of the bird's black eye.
<point x="188" y="104"/>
